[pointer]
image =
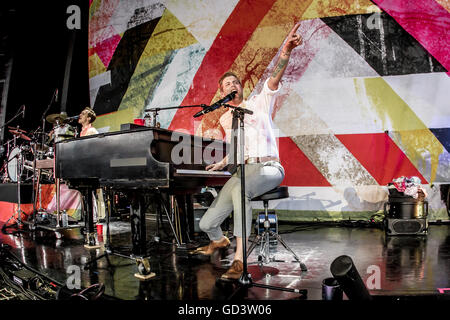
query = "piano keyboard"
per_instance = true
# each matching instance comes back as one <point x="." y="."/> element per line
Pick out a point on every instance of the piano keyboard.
<point x="202" y="173"/>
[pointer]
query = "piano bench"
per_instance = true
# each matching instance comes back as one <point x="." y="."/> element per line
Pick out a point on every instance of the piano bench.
<point x="276" y="193"/>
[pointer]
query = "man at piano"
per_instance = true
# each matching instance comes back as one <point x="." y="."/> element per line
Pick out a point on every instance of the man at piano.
<point x="263" y="170"/>
<point x="87" y="117"/>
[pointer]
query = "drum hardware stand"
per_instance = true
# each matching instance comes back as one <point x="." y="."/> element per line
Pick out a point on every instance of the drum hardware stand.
<point x="245" y="282"/>
<point x="19" y="211"/>
<point x="38" y="192"/>
<point x="4" y="170"/>
<point x="263" y="240"/>
<point x="52" y="100"/>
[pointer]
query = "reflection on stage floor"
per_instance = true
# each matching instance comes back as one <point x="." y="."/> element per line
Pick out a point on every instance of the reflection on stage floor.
<point x="390" y="266"/>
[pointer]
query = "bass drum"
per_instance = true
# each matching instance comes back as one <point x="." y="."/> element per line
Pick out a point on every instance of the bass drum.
<point x="19" y="159"/>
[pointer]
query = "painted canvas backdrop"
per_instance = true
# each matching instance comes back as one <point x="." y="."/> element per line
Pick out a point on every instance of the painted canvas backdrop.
<point x="365" y="99"/>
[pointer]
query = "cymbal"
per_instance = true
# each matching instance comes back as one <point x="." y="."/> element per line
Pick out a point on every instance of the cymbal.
<point x="20" y="135"/>
<point x="52" y="118"/>
<point x="14" y="128"/>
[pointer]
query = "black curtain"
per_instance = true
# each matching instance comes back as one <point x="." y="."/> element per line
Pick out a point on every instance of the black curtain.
<point x="39" y="40"/>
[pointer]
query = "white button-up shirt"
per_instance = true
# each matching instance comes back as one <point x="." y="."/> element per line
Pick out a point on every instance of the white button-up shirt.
<point x="260" y="139"/>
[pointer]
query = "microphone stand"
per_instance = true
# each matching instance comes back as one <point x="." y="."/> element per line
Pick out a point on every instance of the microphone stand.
<point x="155" y="111"/>
<point x="11" y="120"/>
<point x="43" y="118"/>
<point x="33" y="225"/>
<point x="245" y="281"/>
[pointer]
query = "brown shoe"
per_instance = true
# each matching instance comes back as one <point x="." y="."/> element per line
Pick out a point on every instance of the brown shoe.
<point x="212" y="246"/>
<point x="235" y="271"/>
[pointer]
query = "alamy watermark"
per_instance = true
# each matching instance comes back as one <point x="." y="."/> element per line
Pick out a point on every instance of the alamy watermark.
<point x="74" y="277"/>
<point x="373" y="281"/>
<point x="74" y="19"/>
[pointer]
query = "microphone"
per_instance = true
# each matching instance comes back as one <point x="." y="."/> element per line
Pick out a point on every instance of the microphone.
<point x="69" y="119"/>
<point x="216" y="105"/>
<point x="56" y="95"/>
<point x="23" y="111"/>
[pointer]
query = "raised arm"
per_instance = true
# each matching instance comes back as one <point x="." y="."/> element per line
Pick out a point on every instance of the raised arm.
<point x="292" y="40"/>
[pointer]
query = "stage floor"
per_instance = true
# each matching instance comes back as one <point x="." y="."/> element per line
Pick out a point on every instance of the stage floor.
<point x="392" y="267"/>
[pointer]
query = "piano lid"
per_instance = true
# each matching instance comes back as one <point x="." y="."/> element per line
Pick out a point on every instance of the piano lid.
<point x="144" y="157"/>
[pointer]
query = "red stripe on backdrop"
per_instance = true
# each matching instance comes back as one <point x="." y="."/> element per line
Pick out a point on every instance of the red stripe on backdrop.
<point x="233" y="36"/>
<point x="300" y="172"/>
<point x="427" y="21"/>
<point x="381" y="157"/>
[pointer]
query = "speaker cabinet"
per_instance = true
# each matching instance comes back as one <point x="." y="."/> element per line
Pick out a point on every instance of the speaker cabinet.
<point x="406" y="226"/>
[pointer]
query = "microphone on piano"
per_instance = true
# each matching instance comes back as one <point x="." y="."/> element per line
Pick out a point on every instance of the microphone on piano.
<point x="216" y="105"/>
<point x="70" y="119"/>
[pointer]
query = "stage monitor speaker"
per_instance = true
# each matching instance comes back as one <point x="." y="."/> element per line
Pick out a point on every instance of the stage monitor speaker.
<point x="406" y="226"/>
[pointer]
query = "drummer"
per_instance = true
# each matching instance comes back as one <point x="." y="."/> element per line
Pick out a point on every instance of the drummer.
<point x="87" y="117"/>
<point x="61" y="130"/>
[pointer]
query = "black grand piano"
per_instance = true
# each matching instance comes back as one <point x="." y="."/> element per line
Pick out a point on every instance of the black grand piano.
<point x="140" y="161"/>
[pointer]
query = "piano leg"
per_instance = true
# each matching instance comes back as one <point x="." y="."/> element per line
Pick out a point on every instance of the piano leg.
<point x="90" y="239"/>
<point x="139" y="236"/>
<point x="138" y="227"/>
<point x="58" y="209"/>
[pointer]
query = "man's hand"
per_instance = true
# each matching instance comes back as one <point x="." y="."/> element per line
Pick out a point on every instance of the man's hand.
<point x="216" y="166"/>
<point x="292" y="40"/>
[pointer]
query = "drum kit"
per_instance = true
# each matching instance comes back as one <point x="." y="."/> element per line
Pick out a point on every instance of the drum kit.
<point x="24" y="148"/>
<point x="30" y="157"/>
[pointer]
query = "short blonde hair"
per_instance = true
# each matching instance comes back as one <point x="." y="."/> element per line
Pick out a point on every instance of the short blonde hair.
<point x="91" y="114"/>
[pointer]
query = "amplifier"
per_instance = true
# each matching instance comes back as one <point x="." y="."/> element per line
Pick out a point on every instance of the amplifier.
<point x="406" y="226"/>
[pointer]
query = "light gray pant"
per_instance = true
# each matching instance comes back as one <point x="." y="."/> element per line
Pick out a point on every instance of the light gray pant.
<point x="259" y="178"/>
